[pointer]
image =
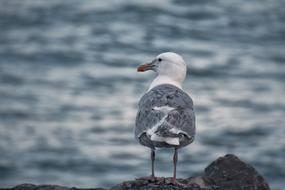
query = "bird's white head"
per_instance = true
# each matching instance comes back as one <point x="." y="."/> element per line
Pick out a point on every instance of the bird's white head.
<point x="171" y="69"/>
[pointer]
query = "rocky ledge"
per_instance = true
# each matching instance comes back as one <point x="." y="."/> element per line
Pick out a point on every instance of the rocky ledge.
<point x="225" y="173"/>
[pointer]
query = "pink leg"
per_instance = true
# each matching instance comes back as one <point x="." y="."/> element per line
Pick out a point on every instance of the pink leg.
<point x="175" y="158"/>
<point x="152" y="157"/>
<point x="152" y="176"/>
<point x="173" y="180"/>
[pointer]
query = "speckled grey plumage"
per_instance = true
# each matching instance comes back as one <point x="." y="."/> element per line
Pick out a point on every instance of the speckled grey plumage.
<point x="182" y="117"/>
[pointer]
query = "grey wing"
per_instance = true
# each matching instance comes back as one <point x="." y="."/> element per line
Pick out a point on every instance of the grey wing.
<point x="181" y="118"/>
<point x="146" y="118"/>
<point x="181" y="121"/>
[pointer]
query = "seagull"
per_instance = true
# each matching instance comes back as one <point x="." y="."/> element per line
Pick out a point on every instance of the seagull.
<point x="165" y="118"/>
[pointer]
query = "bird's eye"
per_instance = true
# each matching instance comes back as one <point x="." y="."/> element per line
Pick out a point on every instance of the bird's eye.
<point x="159" y="59"/>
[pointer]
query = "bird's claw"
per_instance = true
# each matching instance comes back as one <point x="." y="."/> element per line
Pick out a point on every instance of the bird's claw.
<point x="173" y="181"/>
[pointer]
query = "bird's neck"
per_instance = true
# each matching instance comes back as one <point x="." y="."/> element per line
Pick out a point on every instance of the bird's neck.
<point x="162" y="79"/>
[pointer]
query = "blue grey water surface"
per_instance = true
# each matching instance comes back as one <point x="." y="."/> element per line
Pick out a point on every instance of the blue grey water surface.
<point x="69" y="87"/>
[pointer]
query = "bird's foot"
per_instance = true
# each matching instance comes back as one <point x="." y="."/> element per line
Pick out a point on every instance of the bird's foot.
<point x="152" y="179"/>
<point x="173" y="181"/>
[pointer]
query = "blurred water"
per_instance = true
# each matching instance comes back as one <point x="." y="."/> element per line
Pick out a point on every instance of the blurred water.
<point x="69" y="87"/>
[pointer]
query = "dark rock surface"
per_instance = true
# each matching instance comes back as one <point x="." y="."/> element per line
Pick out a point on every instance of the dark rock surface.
<point x="185" y="184"/>
<point x="229" y="172"/>
<point x="225" y="173"/>
<point x="48" y="187"/>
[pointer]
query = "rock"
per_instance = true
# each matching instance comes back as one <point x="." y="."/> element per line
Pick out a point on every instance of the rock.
<point x="229" y="172"/>
<point x="162" y="184"/>
<point x="47" y="187"/>
<point x="225" y="173"/>
<point x="25" y="186"/>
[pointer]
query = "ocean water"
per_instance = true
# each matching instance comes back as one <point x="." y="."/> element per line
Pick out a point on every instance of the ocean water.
<point x="69" y="87"/>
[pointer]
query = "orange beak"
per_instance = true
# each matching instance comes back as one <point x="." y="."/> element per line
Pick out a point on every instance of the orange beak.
<point x="145" y="67"/>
